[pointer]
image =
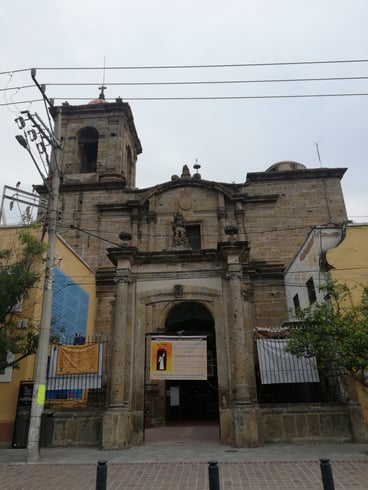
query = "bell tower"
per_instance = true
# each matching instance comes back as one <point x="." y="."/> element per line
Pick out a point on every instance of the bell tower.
<point x="100" y="142"/>
<point x="98" y="161"/>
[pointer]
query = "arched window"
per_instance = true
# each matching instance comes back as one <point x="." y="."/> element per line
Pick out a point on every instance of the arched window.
<point x="88" y="148"/>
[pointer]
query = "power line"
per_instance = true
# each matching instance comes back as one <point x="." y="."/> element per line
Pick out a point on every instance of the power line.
<point x="11" y="72"/>
<point x="215" y="97"/>
<point x="30" y="101"/>
<point x="193" y="82"/>
<point x="175" y="67"/>
<point x="16" y="88"/>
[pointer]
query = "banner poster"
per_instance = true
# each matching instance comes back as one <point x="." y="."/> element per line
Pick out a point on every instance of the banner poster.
<point x="174" y="357"/>
<point x="75" y="367"/>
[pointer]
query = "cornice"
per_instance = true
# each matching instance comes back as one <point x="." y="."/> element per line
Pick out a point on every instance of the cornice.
<point x="312" y="173"/>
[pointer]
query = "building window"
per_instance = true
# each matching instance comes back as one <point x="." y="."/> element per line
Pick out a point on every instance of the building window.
<point x="193" y="233"/>
<point x="311" y="291"/>
<point x="88" y="147"/>
<point x="6" y="372"/>
<point x="17" y="308"/>
<point x="296" y="302"/>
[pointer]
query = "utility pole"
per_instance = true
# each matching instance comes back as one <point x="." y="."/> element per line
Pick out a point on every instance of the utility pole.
<point x="39" y="388"/>
<point x="40" y="132"/>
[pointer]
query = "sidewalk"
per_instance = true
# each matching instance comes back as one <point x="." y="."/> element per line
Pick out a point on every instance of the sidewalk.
<point x="182" y="463"/>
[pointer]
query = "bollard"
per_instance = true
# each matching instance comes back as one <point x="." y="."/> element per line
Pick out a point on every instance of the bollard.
<point x="213" y="475"/>
<point x="101" y="475"/>
<point x="326" y="472"/>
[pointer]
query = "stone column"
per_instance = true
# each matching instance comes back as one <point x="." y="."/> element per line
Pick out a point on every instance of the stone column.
<point x="239" y="341"/>
<point x="244" y="413"/>
<point x="118" y="355"/>
<point x="117" y="420"/>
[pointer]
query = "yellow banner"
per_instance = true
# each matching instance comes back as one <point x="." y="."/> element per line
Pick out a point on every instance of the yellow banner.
<point x="178" y="358"/>
<point x="77" y="359"/>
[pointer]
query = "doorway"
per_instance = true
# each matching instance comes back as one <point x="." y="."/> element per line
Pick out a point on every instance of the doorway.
<point x="193" y="402"/>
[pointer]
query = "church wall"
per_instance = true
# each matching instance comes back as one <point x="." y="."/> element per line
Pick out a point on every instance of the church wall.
<point x="301" y="204"/>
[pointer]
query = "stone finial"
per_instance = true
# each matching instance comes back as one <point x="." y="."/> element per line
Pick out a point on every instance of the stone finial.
<point x="196" y="166"/>
<point x="231" y="231"/>
<point x="185" y="174"/>
<point x="125" y="237"/>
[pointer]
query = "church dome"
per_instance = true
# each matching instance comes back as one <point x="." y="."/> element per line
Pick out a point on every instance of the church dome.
<point x="286" y="165"/>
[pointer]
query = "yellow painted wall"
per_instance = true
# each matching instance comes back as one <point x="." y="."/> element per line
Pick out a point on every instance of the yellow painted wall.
<point x="76" y="269"/>
<point x="350" y="262"/>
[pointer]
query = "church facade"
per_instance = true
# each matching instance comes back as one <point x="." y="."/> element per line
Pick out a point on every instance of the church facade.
<point x="187" y="257"/>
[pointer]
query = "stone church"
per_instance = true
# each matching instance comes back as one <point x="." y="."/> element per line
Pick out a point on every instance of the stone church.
<point x="186" y="257"/>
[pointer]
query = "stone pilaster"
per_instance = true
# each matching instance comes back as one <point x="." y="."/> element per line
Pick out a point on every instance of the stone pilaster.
<point x="117" y="430"/>
<point x="118" y="367"/>
<point x="239" y="339"/>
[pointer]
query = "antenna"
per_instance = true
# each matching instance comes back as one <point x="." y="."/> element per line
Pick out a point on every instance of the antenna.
<point x="104" y="71"/>
<point x="319" y="156"/>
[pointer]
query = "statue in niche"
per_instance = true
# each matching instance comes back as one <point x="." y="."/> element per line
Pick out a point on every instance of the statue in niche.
<point x="178" y="226"/>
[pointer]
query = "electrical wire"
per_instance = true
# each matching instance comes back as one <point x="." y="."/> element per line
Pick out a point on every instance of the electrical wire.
<point x="193" y="82"/>
<point x="174" y="67"/>
<point x="216" y="97"/>
<point x="18" y="87"/>
<point x="167" y="236"/>
<point x="30" y="101"/>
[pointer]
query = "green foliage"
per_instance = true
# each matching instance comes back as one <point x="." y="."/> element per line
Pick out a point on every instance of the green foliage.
<point x="18" y="274"/>
<point x="335" y="333"/>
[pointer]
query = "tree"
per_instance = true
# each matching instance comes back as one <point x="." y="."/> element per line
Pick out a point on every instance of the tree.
<point x="335" y="333"/>
<point x="18" y="274"/>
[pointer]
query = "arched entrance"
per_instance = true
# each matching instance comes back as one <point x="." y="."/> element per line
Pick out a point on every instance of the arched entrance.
<point x="193" y="401"/>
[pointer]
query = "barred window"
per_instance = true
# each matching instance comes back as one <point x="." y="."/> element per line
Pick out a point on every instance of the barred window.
<point x="193" y="233"/>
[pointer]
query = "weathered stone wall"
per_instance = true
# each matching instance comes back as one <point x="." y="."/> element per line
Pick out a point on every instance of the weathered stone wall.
<point x="281" y="423"/>
<point x="73" y="428"/>
<point x="307" y="422"/>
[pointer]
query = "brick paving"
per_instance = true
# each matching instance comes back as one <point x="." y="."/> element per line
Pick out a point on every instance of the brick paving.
<point x="176" y="458"/>
<point x="348" y="475"/>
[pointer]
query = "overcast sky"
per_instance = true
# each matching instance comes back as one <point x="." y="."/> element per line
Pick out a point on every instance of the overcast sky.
<point x="229" y="137"/>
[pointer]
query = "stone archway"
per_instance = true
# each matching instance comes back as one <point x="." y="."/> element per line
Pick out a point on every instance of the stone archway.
<point x="196" y="401"/>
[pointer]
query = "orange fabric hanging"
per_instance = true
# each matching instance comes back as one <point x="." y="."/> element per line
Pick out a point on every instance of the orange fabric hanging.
<point x="77" y="359"/>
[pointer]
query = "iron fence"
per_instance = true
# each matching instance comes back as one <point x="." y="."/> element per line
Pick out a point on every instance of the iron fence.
<point x="67" y="385"/>
<point x="282" y="377"/>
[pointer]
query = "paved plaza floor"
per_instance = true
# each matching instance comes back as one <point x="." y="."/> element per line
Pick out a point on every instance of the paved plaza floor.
<point x="178" y="459"/>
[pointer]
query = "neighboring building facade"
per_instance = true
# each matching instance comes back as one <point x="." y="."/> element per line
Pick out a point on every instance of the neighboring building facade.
<point x="71" y="275"/>
<point x="309" y="270"/>
<point x="349" y="263"/>
<point x="192" y="257"/>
